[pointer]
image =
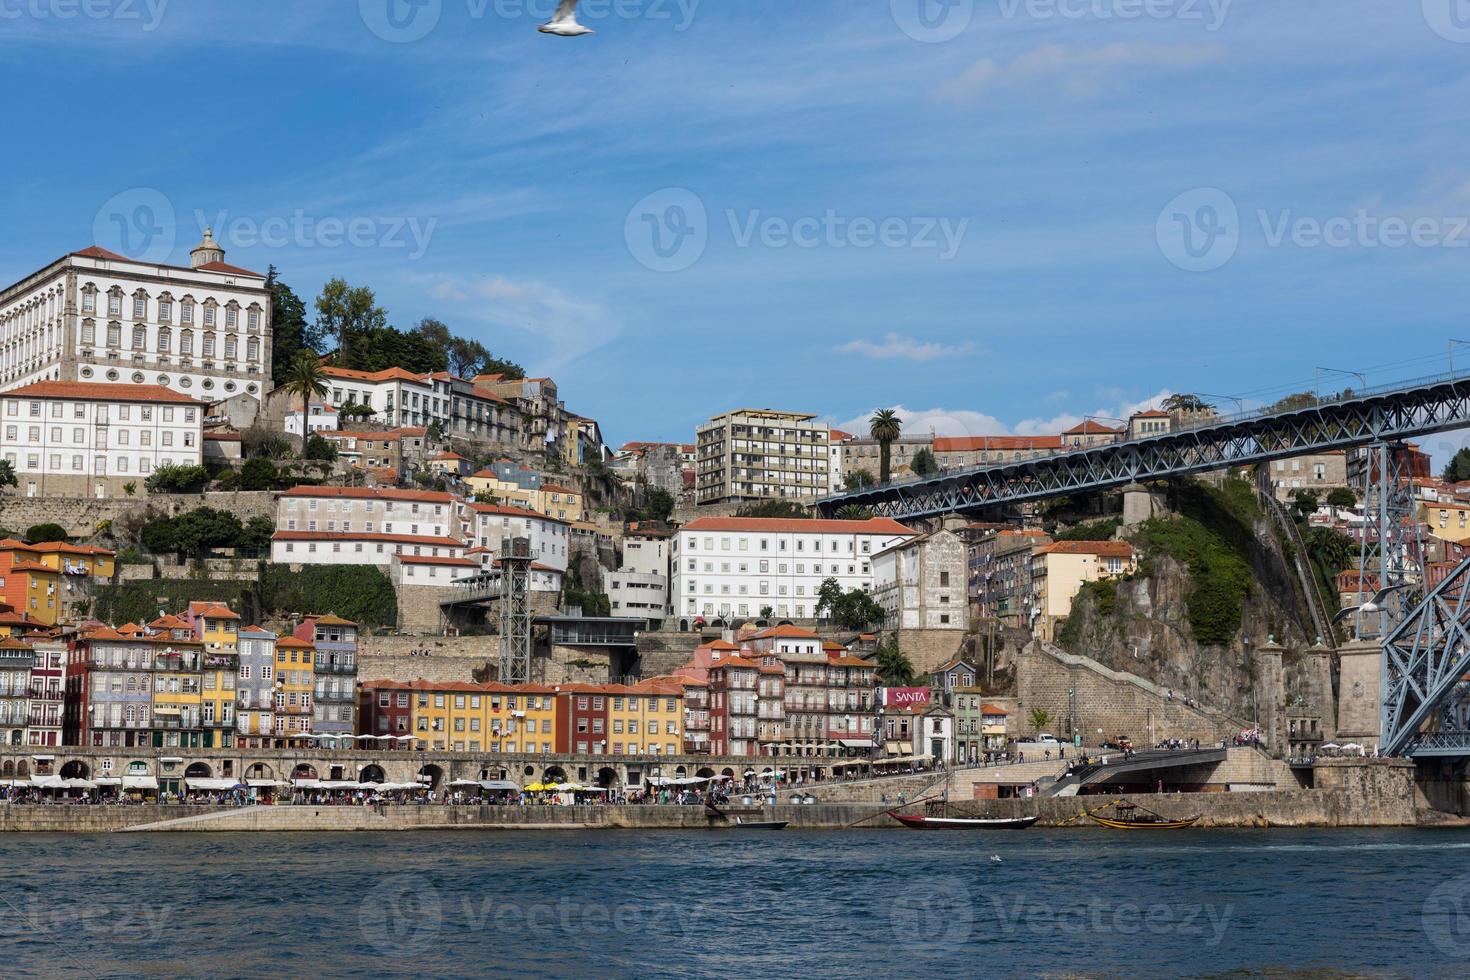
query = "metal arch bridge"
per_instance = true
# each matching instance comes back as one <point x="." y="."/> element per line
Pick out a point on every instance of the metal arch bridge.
<point x="1365" y="418"/>
<point x="1426" y="675"/>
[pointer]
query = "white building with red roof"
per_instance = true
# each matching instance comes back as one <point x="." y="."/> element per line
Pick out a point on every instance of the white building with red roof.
<point x="735" y="567"/>
<point x="365" y="525"/>
<point x="98" y="316"/>
<point x="91" y="439"/>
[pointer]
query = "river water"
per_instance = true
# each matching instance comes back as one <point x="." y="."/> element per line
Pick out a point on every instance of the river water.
<point x="797" y="904"/>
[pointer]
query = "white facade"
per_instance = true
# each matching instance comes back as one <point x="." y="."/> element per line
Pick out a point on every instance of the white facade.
<point x="364" y="525"/>
<point x="326" y="548"/>
<point x="72" y="439"/>
<point x="921" y="583"/>
<point x="488" y="524"/>
<point x="755" y="454"/>
<point x="397" y="396"/>
<point x="737" y="566"/>
<point x="321" y="418"/>
<point x="97" y="316"/>
<point x="640" y="586"/>
<point x="430" y="571"/>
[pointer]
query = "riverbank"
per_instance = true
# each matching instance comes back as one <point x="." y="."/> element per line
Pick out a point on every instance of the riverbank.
<point x="1289" y="808"/>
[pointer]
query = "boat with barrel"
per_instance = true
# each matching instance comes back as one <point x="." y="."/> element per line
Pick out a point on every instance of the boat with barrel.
<point x="1125" y="815"/>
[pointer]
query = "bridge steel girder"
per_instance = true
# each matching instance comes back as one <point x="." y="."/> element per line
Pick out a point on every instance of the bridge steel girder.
<point x="1388" y="415"/>
<point x="1424" y="663"/>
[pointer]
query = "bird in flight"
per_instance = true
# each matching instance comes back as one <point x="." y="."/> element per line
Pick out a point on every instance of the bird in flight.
<point x="1373" y="605"/>
<point x="564" y="23"/>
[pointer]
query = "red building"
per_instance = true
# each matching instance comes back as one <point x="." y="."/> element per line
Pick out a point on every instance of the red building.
<point x="581" y="719"/>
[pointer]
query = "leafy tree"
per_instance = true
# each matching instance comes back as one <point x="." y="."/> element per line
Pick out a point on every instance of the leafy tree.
<point x="41" y="533"/>
<point x="204" y="528"/>
<point x="894" y="668"/>
<point x="767" y="612"/>
<point x="1102" y="530"/>
<point x="1457" y="471"/>
<point x="320" y="449"/>
<point x="258" y="473"/>
<point x="829" y="594"/>
<point x="658" y="507"/>
<point x="288" y="325"/>
<point x="1305" y="502"/>
<point x="858" y="480"/>
<point x="924" y="463"/>
<point x="7" y="474"/>
<point x="356" y="412"/>
<point x="1186" y="403"/>
<point x="465" y="358"/>
<point x="344" y="313"/>
<point x="1296" y="402"/>
<point x="783" y="509"/>
<point x="853" y="610"/>
<point x="131" y="488"/>
<point x="305" y="380"/>
<point x="257" y="533"/>
<point x="1342" y="498"/>
<point x="261" y="442"/>
<point x="853" y="512"/>
<point x="174" y="478"/>
<point x="1040" y="718"/>
<point x="886" y="427"/>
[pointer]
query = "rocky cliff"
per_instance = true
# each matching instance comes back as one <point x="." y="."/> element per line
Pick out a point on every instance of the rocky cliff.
<point x="1214" y="568"/>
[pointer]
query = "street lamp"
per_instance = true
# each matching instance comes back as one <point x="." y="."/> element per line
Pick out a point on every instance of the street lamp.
<point x="1239" y="403"/>
<point x="1351" y="374"/>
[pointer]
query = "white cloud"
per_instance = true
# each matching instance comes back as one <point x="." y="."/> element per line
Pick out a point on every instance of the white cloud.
<point x="963" y="422"/>
<point x="898" y="347"/>
<point x="569" y="327"/>
<point x="1077" y="73"/>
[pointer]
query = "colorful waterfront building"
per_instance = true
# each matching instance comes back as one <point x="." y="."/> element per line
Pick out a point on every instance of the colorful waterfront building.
<point x="178" y="684"/>
<point x="216" y="625"/>
<point x="116" y="682"/>
<point x="733" y="685"/>
<point x="581" y="719"/>
<point x="647" y="718"/>
<point x="255" y="689"/>
<point x="48" y="691"/>
<point x="294" y="681"/>
<point x="29" y="586"/>
<point x="696" y="714"/>
<point x="334" y="640"/>
<point x="522" y="718"/>
<point x="17" y="660"/>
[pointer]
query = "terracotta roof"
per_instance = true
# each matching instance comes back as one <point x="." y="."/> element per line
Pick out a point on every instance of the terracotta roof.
<point x="290" y="642"/>
<point x="851" y="662"/>
<point x="213" y="610"/>
<point x="225" y="267"/>
<point x="391" y="374"/>
<point x="98" y="252"/>
<point x="480" y="508"/>
<point x="735" y="662"/>
<point x="102" y="391"/>
<point x="450" y="456"/>
<point x="1092" y="428"/>
<point x="1102" y="549"/>
<point x="965" y="444"/>
<point x="558" y="488"/>
<point x="435" y="560"/>
<point x="837" y="435"/>
<point x="32" y="566"/>
<point x="991" y="709"/>
<point x="330" y="619"/>
<point x="723" y="645"/>
<point x="784" y="632"/>
<point x="61" y="547"/>
<point x="12" y="643"/>
<point x="775" y="525"/>
<point x="356" y="536"/>
<point x="1151" y="413"/>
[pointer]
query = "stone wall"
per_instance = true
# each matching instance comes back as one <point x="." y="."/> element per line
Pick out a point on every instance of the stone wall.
<point x="927" y="649"/>
<point x="83" y="516"/>
<point x="1118" y="703"/>
<point x="434" y="658"/>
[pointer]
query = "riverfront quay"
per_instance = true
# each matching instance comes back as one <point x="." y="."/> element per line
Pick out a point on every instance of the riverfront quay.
<point x="680" y="904"/>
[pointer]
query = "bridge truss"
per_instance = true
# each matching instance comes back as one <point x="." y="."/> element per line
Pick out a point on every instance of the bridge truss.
<point x="1368" y="418"/>
<point x="1425" y="694"/>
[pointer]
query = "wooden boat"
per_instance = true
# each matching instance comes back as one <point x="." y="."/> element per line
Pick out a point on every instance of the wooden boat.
<point x="742" y="824"/>
<point x="1131" y="816"/>
<point x="918" y="822"/>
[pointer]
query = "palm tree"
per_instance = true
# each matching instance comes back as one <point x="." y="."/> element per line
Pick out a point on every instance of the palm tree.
<point x="895" y="669"/>
<point x="885" y="426"/>
<point x="853" y="512"/>
<point x="305" y="379"/>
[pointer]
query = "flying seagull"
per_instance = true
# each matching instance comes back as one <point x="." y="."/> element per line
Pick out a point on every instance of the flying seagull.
<point x="1373" y="605"/>
<point x="564" y="23"/>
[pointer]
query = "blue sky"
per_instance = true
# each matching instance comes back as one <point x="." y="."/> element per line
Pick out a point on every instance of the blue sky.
<point x="1000" y="216"/>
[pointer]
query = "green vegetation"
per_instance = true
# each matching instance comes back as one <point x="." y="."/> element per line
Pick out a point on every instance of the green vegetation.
<point x="1342" y="498"/>
<point x="259" y="473"/>
<point x="858" y="480"/>
<point x="360" y="593"/>
<point x="853" y="610"/>
<point x="1329" y="553"/>
<point x="7" y="474"/>
<point x="305" y="381"/>
<point x="894" y="668"/>
<point x="320" y="449"/>
<point x="1102" y="530"/>
<point x="1458" y="468"/>
<point x="40" y="533"/>
<point x="1039" y="719"/>
<point x="886" y="427"/>
<point x="853" y="512"/>
<point x="658" y="507"/>
<point x="1213" y="536"/>
<point x="172" y="478"/>
<point x="924" y="463"/>
<point x="785" y="509"/>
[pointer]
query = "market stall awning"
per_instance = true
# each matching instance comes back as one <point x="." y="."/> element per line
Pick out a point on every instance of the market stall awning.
<point x="203" y="785"/>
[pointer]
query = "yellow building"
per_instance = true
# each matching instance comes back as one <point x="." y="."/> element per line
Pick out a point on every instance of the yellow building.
<point x="294" y="680"/>
<point x="73" y="559"/>
<point x="177" y="687"/>
<point x="1058" y="572"/>
<point x="217" y="626"/>
<point x="522" y="718"/>
<point x="506" y="492"/>
<point x="1445" y="520"/>
<point x="646" y="718"/>
<point x="563" y="503"/>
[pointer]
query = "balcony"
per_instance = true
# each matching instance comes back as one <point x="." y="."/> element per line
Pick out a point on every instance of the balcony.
<point x="336" y="667"/>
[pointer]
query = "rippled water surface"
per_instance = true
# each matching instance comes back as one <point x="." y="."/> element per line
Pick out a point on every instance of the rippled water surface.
<point x="874" y="903"/>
